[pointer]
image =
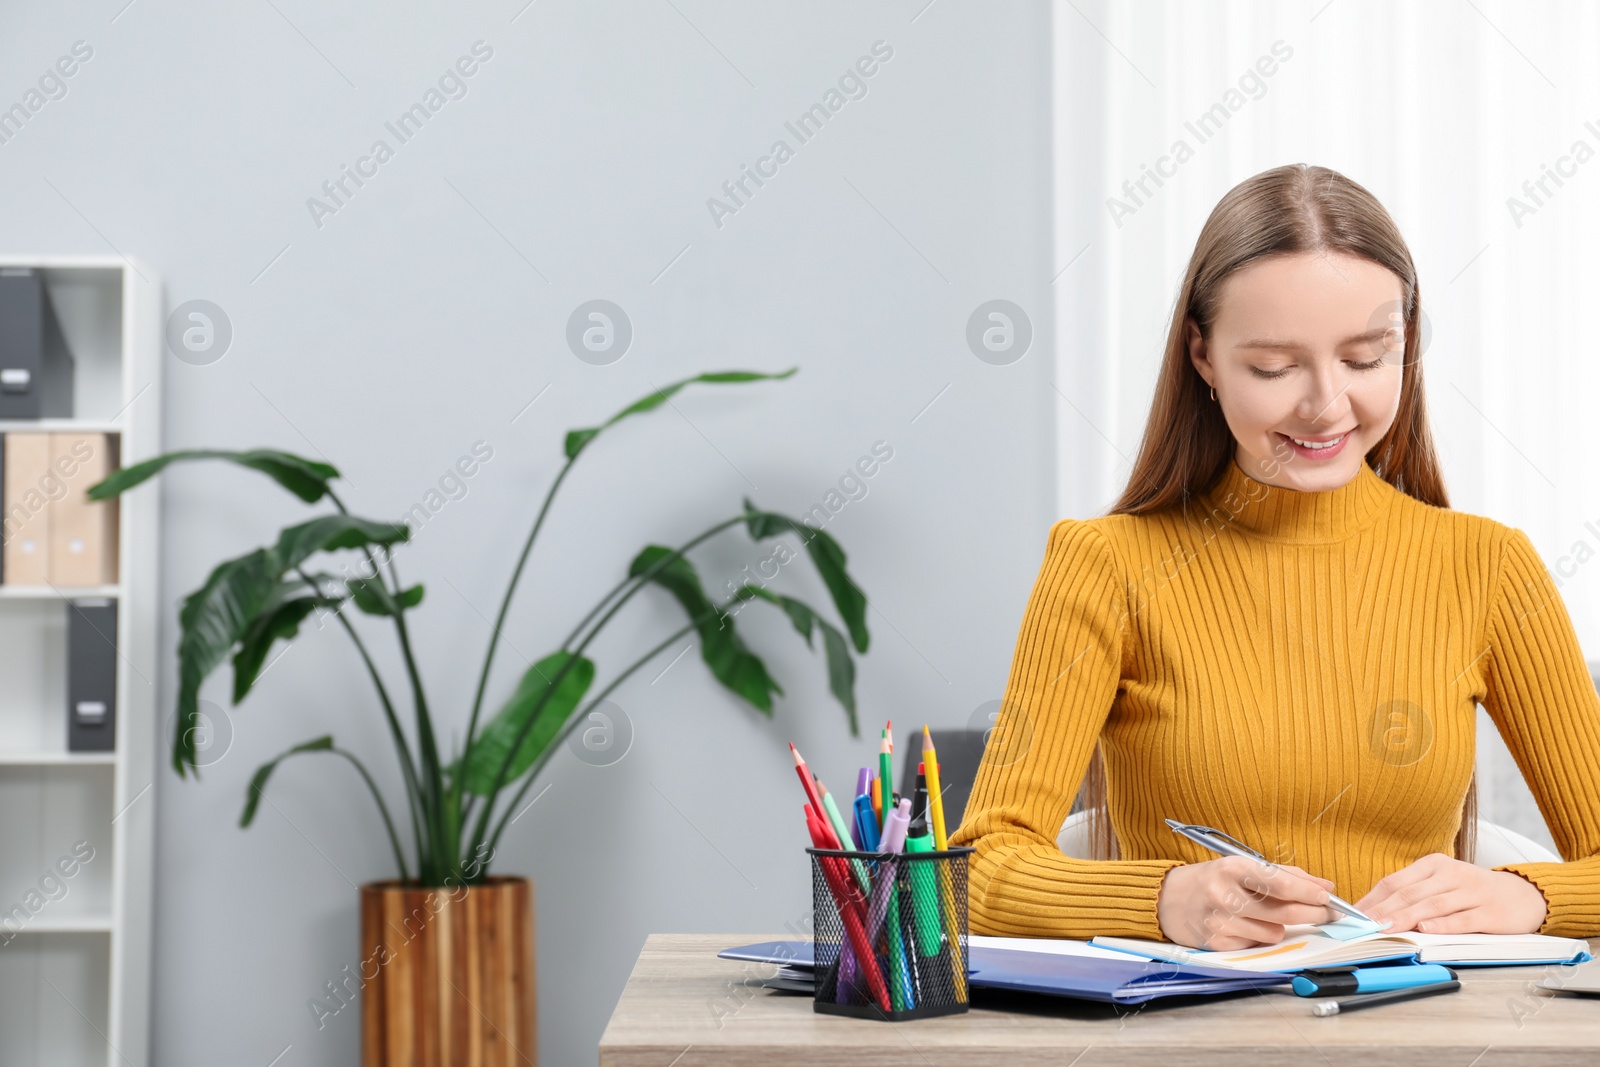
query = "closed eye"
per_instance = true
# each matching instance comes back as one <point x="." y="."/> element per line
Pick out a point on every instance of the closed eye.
<point x="1371" y="365"/>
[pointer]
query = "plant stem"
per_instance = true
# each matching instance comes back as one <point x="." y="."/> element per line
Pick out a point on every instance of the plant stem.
<point x="383" y="809"/>
<point x="499" y="621"/>
<point x="639" y="582"/>
<point x="402" y="749"/>
<point x="448" y="839"/>
<point x="571" y="724"/>
<point x="427" y="746"/>
<point x="430" y="758"/>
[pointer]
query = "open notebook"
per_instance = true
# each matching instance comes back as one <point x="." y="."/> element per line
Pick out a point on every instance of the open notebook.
<point x="1351" y="941"/>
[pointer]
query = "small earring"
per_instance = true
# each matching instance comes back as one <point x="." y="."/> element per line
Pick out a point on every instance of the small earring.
<point x="1213" y="392"/>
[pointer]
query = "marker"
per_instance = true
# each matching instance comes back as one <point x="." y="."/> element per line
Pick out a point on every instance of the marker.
<point x="867" y="824"/>
<point x="1335" y="1007"/>
<point x="919" y="802"/>
<point x="893" y="838"/>
<point x="835" y="819"/>
<point x="1370" y="979"/>
<point x="893" y="842"/>
<point x="925" y="916"/>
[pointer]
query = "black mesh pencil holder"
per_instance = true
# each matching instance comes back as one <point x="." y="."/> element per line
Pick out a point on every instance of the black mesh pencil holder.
<point x="890" y="933"/>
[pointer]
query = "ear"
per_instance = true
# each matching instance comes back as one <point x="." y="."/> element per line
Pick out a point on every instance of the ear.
<point x="1197" y="349"/>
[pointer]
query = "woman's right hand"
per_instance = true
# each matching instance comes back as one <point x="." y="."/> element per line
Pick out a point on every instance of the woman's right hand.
<point x="1238" y="902"/>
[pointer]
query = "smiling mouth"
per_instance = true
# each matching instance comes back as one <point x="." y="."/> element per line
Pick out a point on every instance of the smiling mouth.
<point x="1317" y="442"/>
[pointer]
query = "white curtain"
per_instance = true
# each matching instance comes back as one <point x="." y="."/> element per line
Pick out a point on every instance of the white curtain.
<point x="1477" y="124"/>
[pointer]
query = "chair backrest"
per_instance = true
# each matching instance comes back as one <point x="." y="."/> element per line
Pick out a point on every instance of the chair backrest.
<point x="960" y="752"/>
<point x="1499" y="845"/>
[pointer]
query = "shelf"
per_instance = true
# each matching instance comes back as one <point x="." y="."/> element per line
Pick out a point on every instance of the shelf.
<point x="67" y="924"/>
<point x="46" y="592"/>
<point x="59" y="426"/>
<point x="101" y="261"/>
<point x="57" y="759"/>
<point x="74" y="983"/>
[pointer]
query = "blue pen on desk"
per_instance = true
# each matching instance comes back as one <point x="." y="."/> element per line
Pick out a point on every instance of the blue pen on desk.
<point x="1217" y="841"/>
<point x="1325" y="1008"/>
<point x="1370" y="979"/>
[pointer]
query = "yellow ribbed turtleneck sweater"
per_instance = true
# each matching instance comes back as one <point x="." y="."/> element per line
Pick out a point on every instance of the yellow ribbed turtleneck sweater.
<point x="1298" y="669"/>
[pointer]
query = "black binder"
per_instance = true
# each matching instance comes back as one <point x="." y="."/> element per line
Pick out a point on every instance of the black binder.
<point x="91" y="674"/>
<point x="35" y="366"/>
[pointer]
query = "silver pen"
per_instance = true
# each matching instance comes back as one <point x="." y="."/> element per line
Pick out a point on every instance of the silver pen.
<point x="1217" y="841"/>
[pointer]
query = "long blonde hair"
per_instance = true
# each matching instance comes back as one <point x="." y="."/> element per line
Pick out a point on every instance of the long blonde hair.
<point x="1187" y="444"/>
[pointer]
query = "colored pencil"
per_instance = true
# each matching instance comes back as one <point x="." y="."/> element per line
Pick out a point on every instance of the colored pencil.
<point x="804" y="772"/>
<point x="930" y="763"/>
<point x="886" y="773"/>
<point x="845" y="898"/>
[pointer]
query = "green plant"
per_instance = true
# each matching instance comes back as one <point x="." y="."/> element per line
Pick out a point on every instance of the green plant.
<point x="249" y="603"/>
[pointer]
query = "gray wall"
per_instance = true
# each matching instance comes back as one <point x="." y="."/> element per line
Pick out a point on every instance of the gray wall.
<point x="428" y="311"/>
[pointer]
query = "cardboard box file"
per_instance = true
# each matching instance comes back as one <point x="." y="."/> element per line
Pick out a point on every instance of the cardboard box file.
<point x="83" y="532"/>
<point x="53" y="534"/>
<point x="26" y="522"/>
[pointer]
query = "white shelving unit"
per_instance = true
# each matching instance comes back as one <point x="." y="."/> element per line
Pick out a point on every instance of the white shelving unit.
<point x="75" y="975"/>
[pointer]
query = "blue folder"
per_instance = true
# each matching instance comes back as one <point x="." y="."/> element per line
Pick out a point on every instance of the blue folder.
<point x="1131" y="981"/>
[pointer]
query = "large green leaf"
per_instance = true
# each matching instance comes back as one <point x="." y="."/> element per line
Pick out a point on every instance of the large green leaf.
<point x="258" y="781"/>
<point x="577" y="440"/>
<point x="489" y="751"/>
<point x="305" y="478"/>
<point x="213" y="618"/>
<point x="733" y="664"/>
<point x="373" y="597"/>
<point x="219" y="615"/>
<point x="841" y="666"/>
<point x="827" y="557"/>
<point x="327" y="533"/>
<point x="279" y="619"/>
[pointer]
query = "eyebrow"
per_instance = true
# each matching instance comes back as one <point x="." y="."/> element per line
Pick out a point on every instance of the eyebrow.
<point x="1296" y="346"/>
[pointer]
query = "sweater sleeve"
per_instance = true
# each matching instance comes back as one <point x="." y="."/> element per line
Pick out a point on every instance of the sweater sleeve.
<point x="1065" y="674"/>
<point x="1541" y="697"/>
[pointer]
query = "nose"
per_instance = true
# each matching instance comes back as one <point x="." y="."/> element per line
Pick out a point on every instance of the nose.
<point x="1321" y="403"/>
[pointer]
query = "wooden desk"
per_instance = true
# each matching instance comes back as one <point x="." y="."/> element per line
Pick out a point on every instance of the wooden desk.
<point x="683" y="1007"/>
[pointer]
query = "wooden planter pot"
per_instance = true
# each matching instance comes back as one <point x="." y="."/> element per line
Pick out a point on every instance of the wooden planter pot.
<point x="454" y="982"/>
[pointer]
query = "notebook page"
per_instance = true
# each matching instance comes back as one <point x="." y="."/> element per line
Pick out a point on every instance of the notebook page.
<point x="1054" y="946"/>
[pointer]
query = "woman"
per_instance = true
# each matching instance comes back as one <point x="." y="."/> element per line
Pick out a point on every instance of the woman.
<point x="1281" y="630"/>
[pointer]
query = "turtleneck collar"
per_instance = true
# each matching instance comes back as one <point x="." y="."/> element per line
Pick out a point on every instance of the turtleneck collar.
<point x="1302" y="516"/>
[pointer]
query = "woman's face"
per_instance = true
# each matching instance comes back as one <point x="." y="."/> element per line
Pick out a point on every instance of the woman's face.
<point x="1302" y="349"/>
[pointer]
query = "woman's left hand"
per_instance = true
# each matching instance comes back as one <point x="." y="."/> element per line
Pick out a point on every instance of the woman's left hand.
<point x="1439" y="894"/>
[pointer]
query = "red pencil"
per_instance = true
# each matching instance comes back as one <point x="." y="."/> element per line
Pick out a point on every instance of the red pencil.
<point x="804" y="772"/>
<point x="842" y="888"/>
